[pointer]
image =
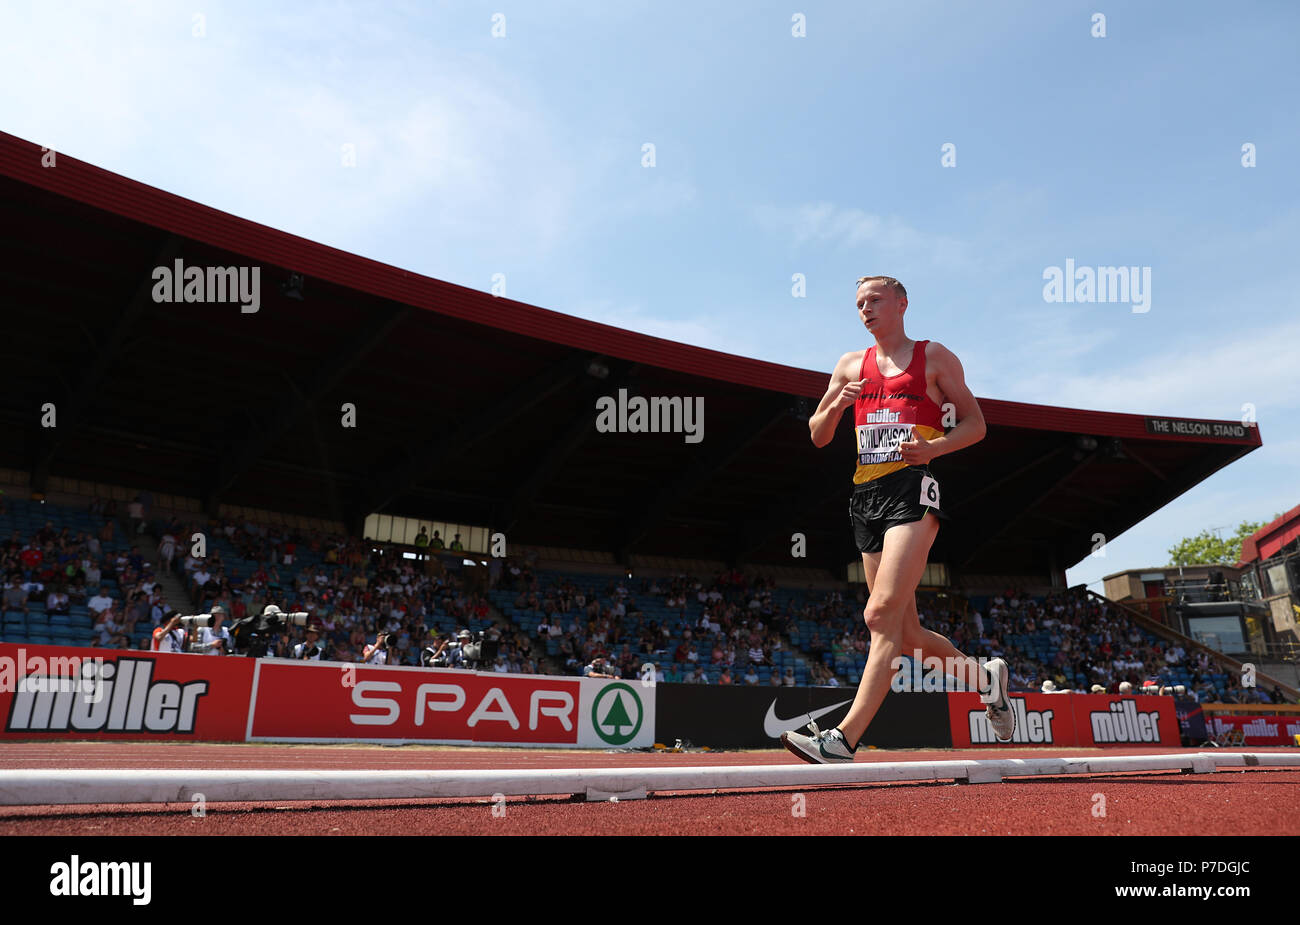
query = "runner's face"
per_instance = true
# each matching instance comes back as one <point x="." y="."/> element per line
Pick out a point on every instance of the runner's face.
<point x="879" y="307"/>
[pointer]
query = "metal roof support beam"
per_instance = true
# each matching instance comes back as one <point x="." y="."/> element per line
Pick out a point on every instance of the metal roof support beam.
<point x="416" y="466"/>
<point x="1091" y="498"/>
<point x="718" y="456"/>
<point x="1038" y="499"/>
<point x="1142" y="461"/>
<point x="565" y="445"/>
<point x="1015" y="474"/>
<point x="73" y="409"/>
<point x="295" y="403"/>
<point x="755" y="533"/>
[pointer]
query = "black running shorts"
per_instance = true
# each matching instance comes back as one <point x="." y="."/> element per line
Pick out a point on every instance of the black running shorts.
<point x="902" y="497"/>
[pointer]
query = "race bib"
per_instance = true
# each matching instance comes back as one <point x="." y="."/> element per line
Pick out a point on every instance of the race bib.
<point x="878" y="443"/>
<point x="929" y="492"/>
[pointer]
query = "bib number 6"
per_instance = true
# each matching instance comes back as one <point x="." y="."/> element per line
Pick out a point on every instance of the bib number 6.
<point x="929" y="491"/>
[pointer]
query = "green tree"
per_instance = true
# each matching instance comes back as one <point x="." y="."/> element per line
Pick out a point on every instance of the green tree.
<point x="1206" y="548"/>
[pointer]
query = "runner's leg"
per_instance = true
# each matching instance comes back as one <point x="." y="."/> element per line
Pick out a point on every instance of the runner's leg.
<point x="929" y="643"/>
<point x="936" y="645"/>
<point x="902" y="563"/>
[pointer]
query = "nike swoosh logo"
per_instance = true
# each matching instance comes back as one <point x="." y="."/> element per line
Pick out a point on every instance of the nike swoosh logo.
<point x="773" y="726"/>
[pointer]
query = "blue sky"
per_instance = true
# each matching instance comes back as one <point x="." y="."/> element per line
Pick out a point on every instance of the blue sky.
<point x="774" y="155"/>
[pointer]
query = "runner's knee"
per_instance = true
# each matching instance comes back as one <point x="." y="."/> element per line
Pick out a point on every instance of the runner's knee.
<point x="884" y="615"/>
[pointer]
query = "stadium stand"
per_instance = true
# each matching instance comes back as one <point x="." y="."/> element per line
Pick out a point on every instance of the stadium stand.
<point x="60" y="564"/>
<point x="63" y="563"/>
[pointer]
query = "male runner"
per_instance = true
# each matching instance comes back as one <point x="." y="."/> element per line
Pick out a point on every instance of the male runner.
<point x="897" y="390"/>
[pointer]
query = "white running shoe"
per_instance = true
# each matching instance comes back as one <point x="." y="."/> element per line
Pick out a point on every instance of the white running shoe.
<point x="1000" y="715"/>
<point x="827" y="747"/>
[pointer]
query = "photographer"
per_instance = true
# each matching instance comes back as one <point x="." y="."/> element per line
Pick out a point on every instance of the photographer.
<point x="215" y="639"/>
<point x="378" y="653"/>
<point x="266" y="634"/>
<point x="599" y="669"/>
<point x="456" y="651"/>
<point x="310" y="649"/>
<point x="170" y="637"/>
<point x="438" y="654"/>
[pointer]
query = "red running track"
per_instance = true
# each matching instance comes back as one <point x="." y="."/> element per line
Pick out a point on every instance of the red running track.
<point x="1252" y="801"/>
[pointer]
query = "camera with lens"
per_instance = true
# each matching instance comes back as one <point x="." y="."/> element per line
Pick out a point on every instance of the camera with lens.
<point x="476" y="650"/>
<point x="253" y="635"/>
<point x="191" y="625"/>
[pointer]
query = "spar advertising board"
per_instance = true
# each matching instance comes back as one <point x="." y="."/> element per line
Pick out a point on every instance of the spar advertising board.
<point x="1082" y="720"/>
<point x="1257" y="729"/>
<point x="67" y="692"/>
<point x="333" y="702"/>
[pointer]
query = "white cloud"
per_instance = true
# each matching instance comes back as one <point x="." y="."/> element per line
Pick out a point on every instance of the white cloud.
<point x="1043" y="344"/>
<point x="251" y="120"/>
<point x="697" y="331"/>
<point x="824" y="223"/>
<point x="1213" y="377"/>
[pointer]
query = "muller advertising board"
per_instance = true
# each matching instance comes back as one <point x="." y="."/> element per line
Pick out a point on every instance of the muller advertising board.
<point x="1070" y="720"/>
<point x="1257" y="729"/>
<point x="62" y="692"/>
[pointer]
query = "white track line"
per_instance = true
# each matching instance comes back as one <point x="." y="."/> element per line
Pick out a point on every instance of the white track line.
<point x="42" y="787"/>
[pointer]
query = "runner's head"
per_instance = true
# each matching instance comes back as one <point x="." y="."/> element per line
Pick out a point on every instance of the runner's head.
<point x="881" y="303"/>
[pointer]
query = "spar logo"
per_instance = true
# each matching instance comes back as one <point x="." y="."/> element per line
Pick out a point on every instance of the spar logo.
<point x="616" y="714"/>
<point x="1123" y="723"/>
<point x="1033" y="726"/>
<point x="129" y="700"/>
<point x="494" y="706"/>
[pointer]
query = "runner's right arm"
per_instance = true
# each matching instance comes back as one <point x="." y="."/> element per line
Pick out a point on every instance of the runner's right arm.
<point x="840" y="395"/>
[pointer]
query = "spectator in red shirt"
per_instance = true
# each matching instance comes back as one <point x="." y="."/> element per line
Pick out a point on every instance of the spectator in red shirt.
<point x="30" y="557"/>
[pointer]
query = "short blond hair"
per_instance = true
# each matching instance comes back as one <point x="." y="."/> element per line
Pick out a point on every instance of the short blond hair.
<point x="887" y="280"/>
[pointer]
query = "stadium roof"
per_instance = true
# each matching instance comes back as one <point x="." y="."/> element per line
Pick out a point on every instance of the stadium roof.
<point x="477" y="409"/>
<point x="1270" y="539"/>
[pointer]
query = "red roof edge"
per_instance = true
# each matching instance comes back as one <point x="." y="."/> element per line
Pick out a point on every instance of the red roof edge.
<point x="1287" y="523"/>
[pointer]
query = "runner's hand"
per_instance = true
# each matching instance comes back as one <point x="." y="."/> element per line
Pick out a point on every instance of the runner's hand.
<point x="849" y="394"/>
<point x="916" y="452"/>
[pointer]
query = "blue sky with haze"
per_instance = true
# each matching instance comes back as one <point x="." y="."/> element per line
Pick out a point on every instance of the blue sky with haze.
<point x="775" y="155"/>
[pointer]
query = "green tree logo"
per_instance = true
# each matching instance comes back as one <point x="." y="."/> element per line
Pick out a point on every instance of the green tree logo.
<point x="610" y="717"/>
